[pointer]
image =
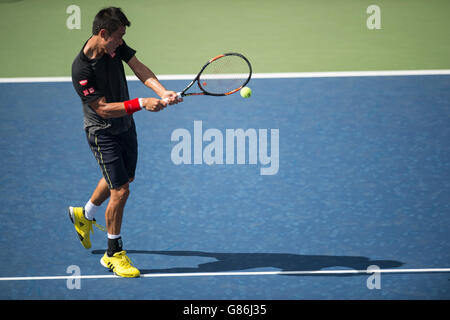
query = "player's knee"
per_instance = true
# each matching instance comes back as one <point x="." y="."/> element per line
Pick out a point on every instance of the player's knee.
<point x="121" y="193"/>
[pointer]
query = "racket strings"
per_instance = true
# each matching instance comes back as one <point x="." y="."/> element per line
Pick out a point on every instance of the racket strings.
<point x="225" y="75"/>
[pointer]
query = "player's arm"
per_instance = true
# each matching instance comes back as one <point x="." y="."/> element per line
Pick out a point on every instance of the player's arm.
<point x="119" y="109"/>
<point x="148" y="78"/>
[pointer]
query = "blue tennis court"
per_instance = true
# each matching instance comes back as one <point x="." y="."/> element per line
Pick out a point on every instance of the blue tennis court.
<point x="362" y="178"/>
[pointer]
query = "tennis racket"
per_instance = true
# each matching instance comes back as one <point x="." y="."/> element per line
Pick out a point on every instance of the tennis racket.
<point x="222" y="75"/>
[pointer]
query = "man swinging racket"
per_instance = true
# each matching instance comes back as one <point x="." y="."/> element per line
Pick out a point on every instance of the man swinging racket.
<point x="99" y="79"/>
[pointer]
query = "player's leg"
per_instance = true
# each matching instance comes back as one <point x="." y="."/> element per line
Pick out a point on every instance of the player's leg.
<point x="116" y="206"/>
<point x="101" y="193"/>
<point x="115" y="258"/>
<point x="83" y="217"/>
<point x="114" y="211"/>
<point x="127" y="143"/>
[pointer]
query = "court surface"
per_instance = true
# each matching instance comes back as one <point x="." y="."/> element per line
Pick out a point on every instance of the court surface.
<point x="362" y="180"/>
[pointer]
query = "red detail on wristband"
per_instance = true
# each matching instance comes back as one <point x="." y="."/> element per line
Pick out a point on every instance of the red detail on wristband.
<point x="131" y="106"/>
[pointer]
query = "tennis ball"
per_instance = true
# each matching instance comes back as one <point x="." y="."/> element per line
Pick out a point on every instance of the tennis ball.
<point x="246" y="92"/>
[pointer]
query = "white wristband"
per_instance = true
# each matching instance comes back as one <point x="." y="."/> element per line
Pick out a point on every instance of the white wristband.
<point x="141" y="102"/>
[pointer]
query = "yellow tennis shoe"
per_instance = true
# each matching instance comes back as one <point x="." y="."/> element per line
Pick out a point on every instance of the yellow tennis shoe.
<point x="83" y="226"/>
<point x="120" y="264"/>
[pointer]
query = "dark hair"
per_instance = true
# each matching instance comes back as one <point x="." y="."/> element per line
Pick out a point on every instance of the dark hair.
<point x="109" y="19"/>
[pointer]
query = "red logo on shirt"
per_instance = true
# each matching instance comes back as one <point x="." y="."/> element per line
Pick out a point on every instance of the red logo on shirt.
<point x="85" y="92"/>
<point x="83" y="82"/>
<point x="91" y="90"/>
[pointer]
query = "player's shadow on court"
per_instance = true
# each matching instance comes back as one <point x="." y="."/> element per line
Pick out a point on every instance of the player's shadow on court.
<point x="282" y="261"/>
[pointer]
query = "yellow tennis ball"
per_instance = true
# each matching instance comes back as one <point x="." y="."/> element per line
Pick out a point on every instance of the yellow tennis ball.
<point x="246" y="92"/>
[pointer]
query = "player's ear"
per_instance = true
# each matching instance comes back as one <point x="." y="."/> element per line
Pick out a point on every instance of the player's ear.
<point x="103" y="33"/>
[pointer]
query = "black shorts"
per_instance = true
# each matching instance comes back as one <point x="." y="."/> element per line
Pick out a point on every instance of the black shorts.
<point x="116" y="155"/>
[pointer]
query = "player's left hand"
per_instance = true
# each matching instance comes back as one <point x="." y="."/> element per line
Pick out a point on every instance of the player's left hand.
<point x="172" y="97"/>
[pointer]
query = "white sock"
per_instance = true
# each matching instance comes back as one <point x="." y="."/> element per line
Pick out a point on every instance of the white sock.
<point x="113" y="236"/>
<point x="90" y="209"/>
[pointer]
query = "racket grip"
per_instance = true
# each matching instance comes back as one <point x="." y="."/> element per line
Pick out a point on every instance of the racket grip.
<point x="178" y="96"/>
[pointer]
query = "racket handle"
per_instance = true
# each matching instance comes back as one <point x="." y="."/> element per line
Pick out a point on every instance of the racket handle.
<point x="178" y="96"/>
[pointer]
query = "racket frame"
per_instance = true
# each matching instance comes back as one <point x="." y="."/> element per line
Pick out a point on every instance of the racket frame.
<point x="204" y="92"/>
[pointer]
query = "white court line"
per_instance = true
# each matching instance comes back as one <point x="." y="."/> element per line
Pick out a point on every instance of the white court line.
<point x="279" y="75"/>
<point x="250" y="273"/>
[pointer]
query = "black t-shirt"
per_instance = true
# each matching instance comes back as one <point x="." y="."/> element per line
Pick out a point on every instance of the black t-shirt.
<point x="102" y="77"/>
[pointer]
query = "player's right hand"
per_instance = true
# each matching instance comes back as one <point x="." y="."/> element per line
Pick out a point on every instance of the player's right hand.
<point x="153" y="104"/>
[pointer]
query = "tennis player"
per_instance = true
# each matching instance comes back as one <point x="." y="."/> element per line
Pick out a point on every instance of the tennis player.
<point x="99" y="79"/>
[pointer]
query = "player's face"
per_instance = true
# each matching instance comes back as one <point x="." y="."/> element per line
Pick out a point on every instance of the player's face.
<point x="114" y="40"/>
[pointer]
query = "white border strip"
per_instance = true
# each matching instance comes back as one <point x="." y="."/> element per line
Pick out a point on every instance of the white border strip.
<point x="282" y="75"/>
<point x="385" y="73"/>
<point x="216" y="274"/>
